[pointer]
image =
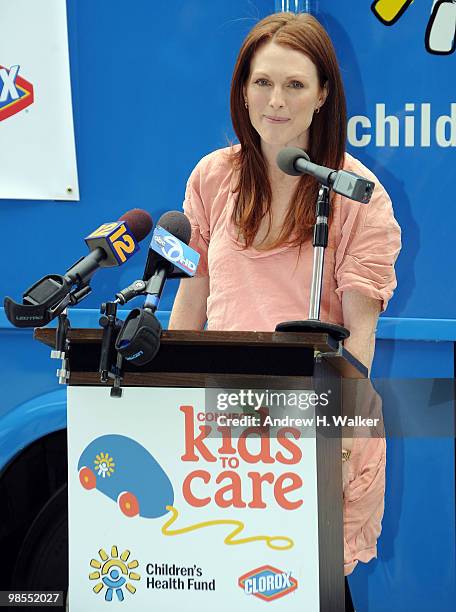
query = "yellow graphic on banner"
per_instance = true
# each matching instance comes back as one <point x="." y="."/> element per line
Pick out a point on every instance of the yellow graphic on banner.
<point x="389" y="11"/>
<point x="230" y="538"/>
<point x="440" y="35"/>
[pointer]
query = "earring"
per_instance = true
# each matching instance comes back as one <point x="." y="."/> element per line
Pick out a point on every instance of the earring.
<point x="246" y="105"/>
<point x="317" y="110"/>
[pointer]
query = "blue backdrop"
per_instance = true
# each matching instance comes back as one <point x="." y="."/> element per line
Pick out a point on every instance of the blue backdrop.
<point x="150" y="86"/>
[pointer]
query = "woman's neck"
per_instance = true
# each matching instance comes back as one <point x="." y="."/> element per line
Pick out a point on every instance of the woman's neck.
<point x="279" y="180"/>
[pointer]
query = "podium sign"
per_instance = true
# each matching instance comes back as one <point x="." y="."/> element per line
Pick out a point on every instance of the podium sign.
<point x="170" y="511"/>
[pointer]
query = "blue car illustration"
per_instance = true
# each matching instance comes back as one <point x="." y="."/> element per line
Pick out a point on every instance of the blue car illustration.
<point x="126" y="472"/>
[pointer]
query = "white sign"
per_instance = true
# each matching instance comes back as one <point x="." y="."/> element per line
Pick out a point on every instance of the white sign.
<point x="37" y="148"/>
<point x="168" y="513"/>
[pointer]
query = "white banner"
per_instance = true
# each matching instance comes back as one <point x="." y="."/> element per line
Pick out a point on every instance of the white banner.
<point x="168" y="513"/>
<point x="37" y="148"/>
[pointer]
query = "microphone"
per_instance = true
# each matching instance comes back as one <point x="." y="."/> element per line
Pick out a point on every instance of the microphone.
<point x="295" y="161"/>
<point x="170" y="245"/>
<point x="169" y="257"/>
<point x="165" y="253"/>
<point x="110" y="245"/>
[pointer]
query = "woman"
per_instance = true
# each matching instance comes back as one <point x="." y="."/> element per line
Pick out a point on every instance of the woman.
<point x="252" y="225"/>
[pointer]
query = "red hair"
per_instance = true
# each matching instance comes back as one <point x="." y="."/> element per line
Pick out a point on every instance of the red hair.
<point x="303" y="33"/>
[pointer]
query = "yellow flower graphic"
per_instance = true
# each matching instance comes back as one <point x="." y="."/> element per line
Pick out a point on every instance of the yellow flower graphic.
<point x="104" y="465"/>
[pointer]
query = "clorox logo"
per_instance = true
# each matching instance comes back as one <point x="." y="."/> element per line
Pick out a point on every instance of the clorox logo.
<point x="268" y="583"/>
<point x="15" y="92"/>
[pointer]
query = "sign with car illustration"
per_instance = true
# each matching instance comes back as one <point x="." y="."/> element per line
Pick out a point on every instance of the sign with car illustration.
<point x="170" y="512"/>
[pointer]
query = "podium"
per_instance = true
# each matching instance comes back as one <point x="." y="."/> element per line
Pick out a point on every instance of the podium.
<point x="237" y="567"/>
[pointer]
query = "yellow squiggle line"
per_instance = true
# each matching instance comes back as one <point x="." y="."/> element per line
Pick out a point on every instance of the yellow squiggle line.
<point x="229" y="540"/>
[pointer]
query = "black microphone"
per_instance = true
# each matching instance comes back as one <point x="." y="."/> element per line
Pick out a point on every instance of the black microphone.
<point x="110" y="245"/>
<point x="139" y="339"/>
<point x="295" y="161"/>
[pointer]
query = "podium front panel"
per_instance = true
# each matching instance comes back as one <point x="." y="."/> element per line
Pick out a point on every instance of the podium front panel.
<point x="167" y="515"/>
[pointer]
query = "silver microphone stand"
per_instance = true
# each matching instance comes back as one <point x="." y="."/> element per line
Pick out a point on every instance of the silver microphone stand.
<point x="320" y="242"/>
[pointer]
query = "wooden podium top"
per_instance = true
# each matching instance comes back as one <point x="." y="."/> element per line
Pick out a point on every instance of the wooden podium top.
<point x="185" y="354"/>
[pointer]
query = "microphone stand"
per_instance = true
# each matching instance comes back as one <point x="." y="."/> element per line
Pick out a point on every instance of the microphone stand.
<point x="111" y="326"/>
<point x="320" y="242"/>
<point x="151" y="286"/>
<point x="62" y="347"/>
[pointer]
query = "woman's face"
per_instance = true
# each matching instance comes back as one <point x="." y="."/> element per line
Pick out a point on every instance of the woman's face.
<point x="282" y="93"/>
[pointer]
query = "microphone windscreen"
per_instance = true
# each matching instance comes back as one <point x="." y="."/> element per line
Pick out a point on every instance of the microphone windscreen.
<point x="139" y="221"/>
<point x="177" y="224"/>
<point x="287" y="158"/>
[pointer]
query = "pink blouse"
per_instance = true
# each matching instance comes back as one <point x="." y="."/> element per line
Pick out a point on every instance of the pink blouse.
<point x="254" y="290"/>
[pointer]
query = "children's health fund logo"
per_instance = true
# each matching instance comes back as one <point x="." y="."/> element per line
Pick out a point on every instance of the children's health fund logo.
<point x="268" y="583"/>
<point x="15" y="92"/>
<point x="113" y="573"/>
